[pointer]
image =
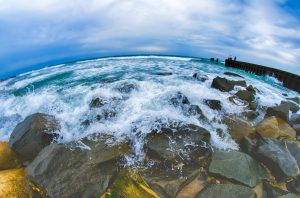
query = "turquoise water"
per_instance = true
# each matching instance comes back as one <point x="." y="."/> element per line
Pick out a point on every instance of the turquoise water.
<point x="66" y="91"/>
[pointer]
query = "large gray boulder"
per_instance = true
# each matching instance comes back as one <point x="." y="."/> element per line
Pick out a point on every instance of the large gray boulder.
<point x="277" y="157"/>
<point x="227" y="191"/>
<point x="70" y="171"/>
<point x="237" y="166"/>
<point x="177" y="144"/>
<point x="281" y="111"/>
<point x="245" y="95"/>
<point x="33" y="134"/>
<point x="222" y="84"/>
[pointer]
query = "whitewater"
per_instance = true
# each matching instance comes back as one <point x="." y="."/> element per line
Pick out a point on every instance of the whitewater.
<point x="66" y="91"/>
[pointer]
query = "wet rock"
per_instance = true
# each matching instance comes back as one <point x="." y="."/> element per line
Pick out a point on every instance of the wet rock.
<point x="237" y="166"/>
<point x="238" y="128"/>
<point x="13" y="183"/>
<point x="295" y="99"/>
<point x="248" y="145"/>
<point x="178" y="144"/>
<point x="294" y="185"/>
<point x="294" y="150"/>
<point x="235" y="100"/>
<point x="179" y="99"/>
<point x="164" y="73"/>
<point x="200" y="77"/>
<point x="34" y="133"/>
<point x="8" y="158"/>
<point x="285" y="94"/>
<point x="193" y="188"/>
<point x="86" y="123"/>
<point x="250" y="115"/>
<point x="274" y="127"/>
<point x="195" y="110"/>
<point x="70" y="171"/>
<point x="251" y="89"/>
<point x="245" y="95"/>
<point x="129" y="183"/>
<point x="292" y="106"/>
<point x="227" y="191"/>
<point x="270" y="191"/>
<point x="281" y="111"/>
<point x="276" y="156"/>
<point x="295" y="119"/>
<point x="213" y="104"/>
<point x="168" y="183"/>
<point x="222" y="84"/>
<point x="126" y="87"/>
<point x="240" y="83"/>
<point x="233" y="74"/>
<point x="96" y="103"/>
<point x="252" y="106"/>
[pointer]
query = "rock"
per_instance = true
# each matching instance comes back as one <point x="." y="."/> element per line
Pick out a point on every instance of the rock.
<point x="238" y="128"/>
<point x="8" y="158"/>
<point x="251" y="115"/>
<point x="235" y="100"/>
<point x="276" y="156"/>
<point x="13" y="183"/>
<point x="179" y="99"/>
<point x="240" y="83"/>
<point x="245" y="95"/>
<point x="289" y="195"/>
<point x="295" y="99"/>
<point x="281" y="111"/>
<point x="292" y="106"/>
<point x="294" y="185"/>
<point x="194" y="110"/>
<point x="200" y="77"/>
<point x="274" y="127"/>
<point x="248" y="145"/>
<point x="251" y="89"/>
<point x="70" y="171"/>
<point x="96" y="103"/>
<point x="213" y="104"/>
<point x="227" y="191"/>
<point x="167" y="182"/>
<point x="233" y="74"/>
<point x="285" y="94"/>
<point x="222" y="84"/>
<point x="270" y="191"/>
<point x="34" y="133"/>
<point x="86" y="123"/>
<point x="252" y="106"/>
<point x="294" y="150"/>
<point x="126" y="87"/>
<point x="177" y="144"/>
<point x="128" y="183"/>
<point x="295" y="119"/>
<point x="163" y="73"/>
<point x="192" y="189"/>
<point x="237" y="166"/>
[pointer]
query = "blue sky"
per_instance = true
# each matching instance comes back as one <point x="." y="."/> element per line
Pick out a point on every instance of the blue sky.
<point x="39" y="33"/>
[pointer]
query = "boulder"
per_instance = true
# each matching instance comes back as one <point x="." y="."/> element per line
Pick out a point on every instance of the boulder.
<point x="233" y="74"/>
<point x="250" y="115"/>
<point x="274" y="127"/>
<point x="96" y="103"/>
<point x="252" y="106"/>
<point x="238" y="128"/>
<point x="178" y="99"/>
<point x="200" y="77"/>
<point x="294" y="150"/>
<point x="248" y="145"/>
<point x="227" y="191"/>
<point x="281" y="111"/>
<point x="177" y="144"/>
<point x="129" y="183"/>
<point x="245" y="95"/>
<point x="295" y="99"/>
<point x="292" y="106"/>
<point x="8" y="158"/>
<point x="126" y="87"/>
<point x="193" y="188"/>
<point x="213" y="104"/>
<point x="34" y="133"/>
<point x="222" y="84"/>
<point x="251" y="89"/>
<point x="240" y="83"/>
<point x="276" y="156"/>
<point x="194" y="110"/>
<point x="13" y="183"/>
<point x="237" y="166"/>
<point x="72" y="171"/>
<point x="271" y="191"/>
<point x="294" y="185"/>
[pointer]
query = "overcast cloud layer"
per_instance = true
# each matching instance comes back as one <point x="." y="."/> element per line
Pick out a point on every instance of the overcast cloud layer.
<point x="33" y="32"/>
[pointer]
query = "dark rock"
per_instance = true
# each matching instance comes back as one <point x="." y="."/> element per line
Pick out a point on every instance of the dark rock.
<point x="222" y="84"/>
<point x="126" y="87"/>
<point x="295" y="119"/>
<point x="86" y="123"/>
<point x="96" y="103"/>
<point x="200" y="77"/>
<point x="227" y="191"/>
<point x="245" y="95"/>
<point x="251" y="115"/>
<point x="293" y="106"/>
<point x="179" y="99"/>
<point x="213" y="104"/>
<point x="233" y="74"/>
<point x="34" y="133"/>
<point x="251" y="89"/>
<point x="284" y="94"/>
<point x="69" y="171"/>
<point x="177" y="144"/>
<point x="294" y="185"/>
<point x="240" y="83"/>
<point x="270" y="191"/>
<point x="295" y="99"/>
<point x="195" y="110"/>
<point x="163" y="73"/>
<point x="294" y="150"/>
<point x="252" y="106"/>
<point x="237" y="166"/>
<point x="281" y="111"/>
<point x="248" y="145"/>
<point x="276" y="156"/>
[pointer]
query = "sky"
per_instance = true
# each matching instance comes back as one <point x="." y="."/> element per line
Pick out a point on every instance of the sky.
<point x="36" y="33"/>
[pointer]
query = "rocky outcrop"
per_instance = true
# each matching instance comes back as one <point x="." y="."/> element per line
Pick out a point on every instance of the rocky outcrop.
<point x="227" y="191"/>
<point x="177" y="144"/>
<point x="277" y="157"/>
<point x="33" y="134"/>
<point x="222" y="84"/>
<point x="245" y="95"/>
<point x="213" y="104"/>
<point x="237" y="166"/>
<point x="274" y="127"/>
<point x="96" y="103"/>
<point x="8" y="158"/>
<point x="71" y="171"/>
<point x="238" y="128"/>
<point x="233" y="74"/>
<point x="126" y="87"/>
<point x="281" y="111"/>
<point x="292" y="106"/>
<point x="178" y="99"/>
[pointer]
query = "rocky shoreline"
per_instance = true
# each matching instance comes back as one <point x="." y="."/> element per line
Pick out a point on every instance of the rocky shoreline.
<point x="179" y="160"/>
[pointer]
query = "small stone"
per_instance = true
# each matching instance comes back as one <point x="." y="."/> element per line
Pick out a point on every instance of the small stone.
<point x="213" y="104"/>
